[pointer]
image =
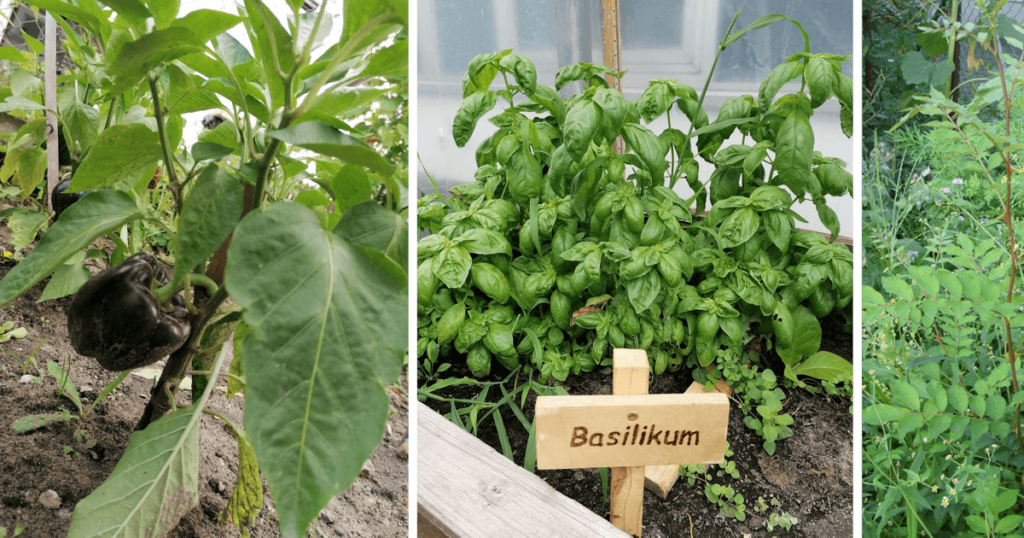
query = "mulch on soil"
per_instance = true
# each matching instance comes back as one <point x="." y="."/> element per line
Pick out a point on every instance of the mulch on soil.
<point x="811" y="473"/>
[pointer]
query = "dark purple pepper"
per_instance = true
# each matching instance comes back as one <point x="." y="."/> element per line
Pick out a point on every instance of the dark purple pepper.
<point x="115" y="318"/>
<point x="61" y="200"/>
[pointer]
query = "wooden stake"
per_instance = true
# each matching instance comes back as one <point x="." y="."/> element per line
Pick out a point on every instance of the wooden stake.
<point x="613" y="52"/>
<point x="52" y="159"/>
<point x="630" y="372"/>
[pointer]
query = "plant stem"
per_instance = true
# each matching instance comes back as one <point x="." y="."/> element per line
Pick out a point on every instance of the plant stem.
<point x="165" y="144"/>
<point x="226" y="420"/>
<point x="707" y="82"/>
<point x="161" y="395"/>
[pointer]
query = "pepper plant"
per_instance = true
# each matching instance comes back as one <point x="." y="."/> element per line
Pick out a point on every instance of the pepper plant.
<point x="563" y="249"/>
<point x="308" y="276"/>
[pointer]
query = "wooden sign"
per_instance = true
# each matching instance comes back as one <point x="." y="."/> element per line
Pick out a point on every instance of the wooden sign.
<point x="629" y="431"/>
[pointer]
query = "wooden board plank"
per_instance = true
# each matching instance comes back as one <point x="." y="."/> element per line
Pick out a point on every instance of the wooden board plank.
<point x="630" y="374"/>
<point x="659" y="479"/>
<point x="467" y="489"/>
<point x="612" y="431"/>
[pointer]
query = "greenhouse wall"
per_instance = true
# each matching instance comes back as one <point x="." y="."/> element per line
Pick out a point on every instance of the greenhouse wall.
<point x="659" y="39"/>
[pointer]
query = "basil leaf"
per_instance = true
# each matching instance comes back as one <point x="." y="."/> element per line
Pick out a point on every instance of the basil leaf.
<point x="818" y="75"/>
<point x="581" y="125"/>
<point x="490" y="280"/>
<point x="775" y="80"/>
<point x="449" y="324"/>
<point x="452" y="266"/>
<point x="794" y="146"/>
<point x="470" y="111"/>
<point x="738" y="227"/>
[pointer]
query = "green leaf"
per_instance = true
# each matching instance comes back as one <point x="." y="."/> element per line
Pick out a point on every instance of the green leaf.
<point x="247" y="497"/>
<point x="70" y="11"/>
<point x="207" y="24"/>
<point x="818" y="75"/>
<point x="164" y="11"/>
<point x="649" y="147"/>
<point x="329" y="331"/>
<point x="761" y="22"/>
<point x="132" y="10"/>
<point x="794" y="146"/>
<point x="957" y="398"/>
<point x="136" y="59"/>
<point x="64" y="383"/>
<point x="24" y="224"/>
<point x="208" y="215"/>
<point x="82" y="123"/>
<point x="154" y="484"/>
<point x="875" y="415"/>
<point x="359" y="14"/>
<point x="775" y="80"/>
<point x="825" y="366"/>
<point x="483" y="241"/>
<point x="917" y="69"/>
<point x="351" y="186"/>
<point x="327" y="140"/>
<point x="391" y="62"/>
<point x="581" y="123"/>
<point x="806" y="335"/>
<point x="65" y="280"/>
<point x="525" y="176"/>
<point x="30" y="423"/>
<point x="490" y="280"/>
<point x="470" y="111"/>
<point x="96" y="214"/>
<point x="119" y="152"/>
<point x="899" y="288"/>
<point x="260" y="17"/>
<point x="906" y="394"/>
<point x="1009" y="524"/>
<point x="523" y="71"/>
<point x="209" y="151"/>
<point x="829" y="219"/>
<point x="370" y="224"/>
<point x="738" y="227"/>
<point x="450" y="322"/>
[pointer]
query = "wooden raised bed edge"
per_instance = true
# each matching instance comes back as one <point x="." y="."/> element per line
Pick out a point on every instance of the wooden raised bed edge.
<point x="467" y="489"/>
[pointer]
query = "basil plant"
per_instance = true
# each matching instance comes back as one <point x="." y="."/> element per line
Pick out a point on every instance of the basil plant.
<point x="563" y="248"/>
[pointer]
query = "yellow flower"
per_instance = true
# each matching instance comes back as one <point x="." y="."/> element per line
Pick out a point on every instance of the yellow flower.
<point x="945" y="501"/>
<point x="935" y="489"/>
<point x="952" y="491"/>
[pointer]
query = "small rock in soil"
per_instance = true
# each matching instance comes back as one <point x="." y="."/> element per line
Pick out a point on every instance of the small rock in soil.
<point x="339" y="531"/>
<point x="64" y="513"/>
<point x="50" y="500"/>
<point x="367" y="470"/>
<point x="217" y="485"/>
<point x="389" y="429"/>
<point x="403" y="450"/>
<point x="27" y="378"/>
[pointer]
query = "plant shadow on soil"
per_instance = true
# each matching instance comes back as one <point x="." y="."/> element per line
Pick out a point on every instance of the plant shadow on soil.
<point x="376" y="504"/>
<point x="811" y="473"/>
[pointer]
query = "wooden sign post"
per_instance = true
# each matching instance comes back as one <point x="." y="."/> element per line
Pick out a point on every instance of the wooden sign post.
<point x="629" y="431"/>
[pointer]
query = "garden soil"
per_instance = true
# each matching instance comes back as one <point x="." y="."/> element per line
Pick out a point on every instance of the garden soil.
<point x="810" y="474"/>
<point x="75" y="458"/>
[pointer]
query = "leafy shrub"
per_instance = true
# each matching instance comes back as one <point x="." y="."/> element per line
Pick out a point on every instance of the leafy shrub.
<point x="563" y="249"/>
<point x="943" y="448"/>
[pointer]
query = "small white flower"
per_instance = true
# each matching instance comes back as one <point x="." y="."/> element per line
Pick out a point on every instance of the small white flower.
<point x="926" y="171"/>
<point x="958" y="181"/>
<point x="945" y="190"/>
